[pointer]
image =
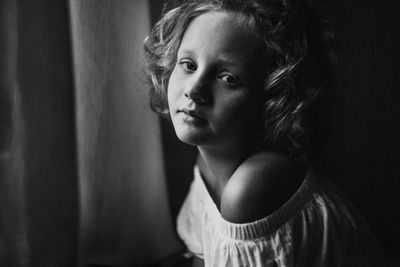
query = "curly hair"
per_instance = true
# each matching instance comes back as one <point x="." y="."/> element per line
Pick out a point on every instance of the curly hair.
<point x="301" y="75"/>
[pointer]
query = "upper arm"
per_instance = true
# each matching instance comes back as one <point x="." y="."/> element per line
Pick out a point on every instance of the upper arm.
<point x="260" y="186"/>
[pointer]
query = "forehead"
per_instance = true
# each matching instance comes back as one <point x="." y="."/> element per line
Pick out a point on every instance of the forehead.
<point x="217" y="34"/>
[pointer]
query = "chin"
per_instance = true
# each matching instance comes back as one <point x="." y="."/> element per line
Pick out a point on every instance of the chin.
<point x="190" y="138"/>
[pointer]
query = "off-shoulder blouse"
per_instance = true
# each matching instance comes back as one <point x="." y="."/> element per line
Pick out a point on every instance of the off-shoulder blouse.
<point x="317" y="226"/>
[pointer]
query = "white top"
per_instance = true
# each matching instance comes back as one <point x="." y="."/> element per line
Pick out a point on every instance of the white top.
<point x="316" y="227"/>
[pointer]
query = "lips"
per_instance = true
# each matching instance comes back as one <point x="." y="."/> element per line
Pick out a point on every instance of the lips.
<point x="192" y="114"/>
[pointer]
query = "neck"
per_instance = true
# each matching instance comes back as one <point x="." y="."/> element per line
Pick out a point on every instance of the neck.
<point x="220" y="163"/>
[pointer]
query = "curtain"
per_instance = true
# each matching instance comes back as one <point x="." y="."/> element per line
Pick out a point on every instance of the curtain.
<point x="81" y="172"/>
<point x="39" y="200"/>
<point x="122" y="183"/>
<point x="13" y="230"/>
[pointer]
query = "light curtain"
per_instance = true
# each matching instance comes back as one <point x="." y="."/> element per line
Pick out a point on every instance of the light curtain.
<point x="81" y="172"/>
<point x="124" y="206"/>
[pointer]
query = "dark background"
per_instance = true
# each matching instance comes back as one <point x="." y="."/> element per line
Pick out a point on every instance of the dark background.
<point x="363" y="152"/>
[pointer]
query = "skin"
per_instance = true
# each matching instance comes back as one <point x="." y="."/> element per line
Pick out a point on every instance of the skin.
<point x="219" y="76"/>
<point x="214" y="95"/>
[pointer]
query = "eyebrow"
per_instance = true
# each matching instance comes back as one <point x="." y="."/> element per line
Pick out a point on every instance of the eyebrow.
<point x="187" y="51"/>
<point x="219" y="60"/>
<point x="226" y="61"/>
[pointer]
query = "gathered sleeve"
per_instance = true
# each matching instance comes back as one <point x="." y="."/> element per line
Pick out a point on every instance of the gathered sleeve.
<point x="316" y="227"/>
<point x="267" y="251"/>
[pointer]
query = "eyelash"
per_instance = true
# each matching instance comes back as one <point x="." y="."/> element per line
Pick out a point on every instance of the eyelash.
<point x="190" y="66"/>
<point x="185" y="65"/>
<point x="236" y="81"/>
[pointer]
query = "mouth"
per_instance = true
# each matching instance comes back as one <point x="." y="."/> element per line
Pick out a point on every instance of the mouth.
<point x="191" y="115"/>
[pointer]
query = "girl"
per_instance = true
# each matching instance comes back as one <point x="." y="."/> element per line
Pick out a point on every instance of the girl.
<point x="247" y="83"/>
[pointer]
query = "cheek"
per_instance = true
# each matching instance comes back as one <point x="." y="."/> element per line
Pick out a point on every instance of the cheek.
<point x="172" y="90"/>
<point x="239" y="112"/>
<point x="242" y="104"/>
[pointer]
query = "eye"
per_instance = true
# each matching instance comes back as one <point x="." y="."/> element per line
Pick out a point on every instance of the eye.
<point x="230" y="80"/>
<point x="188" y="65"/>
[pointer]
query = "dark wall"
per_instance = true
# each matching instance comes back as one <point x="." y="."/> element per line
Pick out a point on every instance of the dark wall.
<point x="363" y="151"/>
<point x="364" y="147"/>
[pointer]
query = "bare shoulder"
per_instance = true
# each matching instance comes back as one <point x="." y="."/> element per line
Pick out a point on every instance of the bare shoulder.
<point x="260" y="185"/>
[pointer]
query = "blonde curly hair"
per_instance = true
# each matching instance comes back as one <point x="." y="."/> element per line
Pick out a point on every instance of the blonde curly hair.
<point x="301" y="75"/>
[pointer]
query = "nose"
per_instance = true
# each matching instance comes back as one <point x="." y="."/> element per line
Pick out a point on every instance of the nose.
<point x="197" y="90"/>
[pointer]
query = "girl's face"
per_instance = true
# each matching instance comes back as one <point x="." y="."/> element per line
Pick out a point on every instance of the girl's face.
<point x="215" y="87"/>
